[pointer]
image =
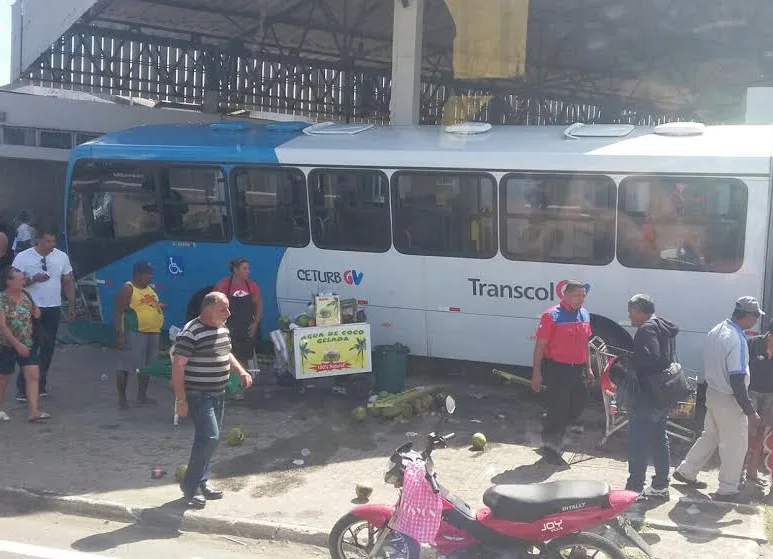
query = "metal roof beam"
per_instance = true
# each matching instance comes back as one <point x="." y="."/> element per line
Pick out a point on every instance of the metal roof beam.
<point x="290" y="7"/>
<point x="182" y="5"/>
<point x="317" y="57"/>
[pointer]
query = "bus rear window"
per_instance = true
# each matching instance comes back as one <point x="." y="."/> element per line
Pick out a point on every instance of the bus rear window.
<point x="271" y="206"/>
<point x="111" y="213"/>
<point x="682" y="223"/>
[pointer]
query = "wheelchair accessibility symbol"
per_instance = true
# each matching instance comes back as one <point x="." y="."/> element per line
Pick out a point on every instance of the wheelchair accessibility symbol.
<point x="175" y="266"/>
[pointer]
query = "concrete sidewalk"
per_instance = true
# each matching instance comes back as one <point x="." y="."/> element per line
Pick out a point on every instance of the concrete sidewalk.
<point x="101" y="459"/>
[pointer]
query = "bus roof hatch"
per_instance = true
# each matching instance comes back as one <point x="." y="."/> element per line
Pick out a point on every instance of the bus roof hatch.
<point x="580" y="130"/>
<point x="336" y="129"/>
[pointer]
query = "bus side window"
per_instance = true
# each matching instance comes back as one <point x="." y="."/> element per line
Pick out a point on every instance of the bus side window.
<point x="194" y="203"/>
<point x="350" y="210"/>
<point x="271" y="206"/>
<point x="558" y="218"/>
<point x="682" y="223"/>
<point x="444" y="214"/>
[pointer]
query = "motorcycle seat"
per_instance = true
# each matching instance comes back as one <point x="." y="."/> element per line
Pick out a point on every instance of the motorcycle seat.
<point x="529" y="503"/>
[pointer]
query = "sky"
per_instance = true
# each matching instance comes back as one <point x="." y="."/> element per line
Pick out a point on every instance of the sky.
<point x="5" y="41"/>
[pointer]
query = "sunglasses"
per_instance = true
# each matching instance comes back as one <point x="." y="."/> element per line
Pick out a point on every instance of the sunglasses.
<point x="44" y="264"/>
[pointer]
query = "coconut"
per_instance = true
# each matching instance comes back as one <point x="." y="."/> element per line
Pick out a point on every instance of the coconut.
<point x="383" y="395"/>
<point x="364" y="491"/>
<point x="406" y="410"/>
<point x="390" y="412"/>
<point x="479" y="441"/>
<point x="179" y="474"/>
<point x="359" y="413"/>
<point x="235" y="436"/>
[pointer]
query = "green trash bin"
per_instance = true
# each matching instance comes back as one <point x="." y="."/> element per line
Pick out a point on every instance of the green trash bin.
<point x="390" y="363"/>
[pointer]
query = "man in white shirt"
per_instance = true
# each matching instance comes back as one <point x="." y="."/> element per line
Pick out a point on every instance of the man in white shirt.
<point x="45" y="269"/>
<point x="24" y="234"/>
<point x="729" y="410"/>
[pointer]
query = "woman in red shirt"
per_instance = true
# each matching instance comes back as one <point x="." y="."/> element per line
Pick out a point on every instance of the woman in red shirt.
<point x="246" y="306"/>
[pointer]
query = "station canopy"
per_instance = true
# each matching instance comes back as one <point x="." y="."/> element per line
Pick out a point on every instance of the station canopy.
<point x="528" y="61"/>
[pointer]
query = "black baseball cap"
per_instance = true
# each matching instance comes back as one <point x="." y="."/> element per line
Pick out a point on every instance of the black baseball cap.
<point x="143" y="267"/>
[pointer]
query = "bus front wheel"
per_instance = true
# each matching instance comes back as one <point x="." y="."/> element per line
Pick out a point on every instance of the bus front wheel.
<point x="194" y="305"/>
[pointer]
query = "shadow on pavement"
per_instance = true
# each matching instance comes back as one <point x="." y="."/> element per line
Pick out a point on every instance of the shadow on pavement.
<point x="159" y="523"/>
<point x="527" y="474"/>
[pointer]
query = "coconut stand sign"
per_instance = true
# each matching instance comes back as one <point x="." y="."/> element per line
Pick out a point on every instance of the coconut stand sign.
<point x="328" y="351"/>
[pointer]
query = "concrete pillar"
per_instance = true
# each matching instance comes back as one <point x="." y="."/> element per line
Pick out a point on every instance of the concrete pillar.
<point x="406" y="62"/>
<point x="759" y="105"/>
<point x="17" y="23"/>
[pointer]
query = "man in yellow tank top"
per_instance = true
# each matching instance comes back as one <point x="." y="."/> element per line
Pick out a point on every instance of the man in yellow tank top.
<point x="139" y="317"/>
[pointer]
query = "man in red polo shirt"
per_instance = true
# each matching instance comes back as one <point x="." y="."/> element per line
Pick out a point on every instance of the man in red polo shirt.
<point x="562" y="364"/>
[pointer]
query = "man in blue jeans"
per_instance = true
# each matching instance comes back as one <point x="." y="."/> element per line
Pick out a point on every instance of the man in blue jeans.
<point x="647" y="438"/>
<point x="201" y="365"/>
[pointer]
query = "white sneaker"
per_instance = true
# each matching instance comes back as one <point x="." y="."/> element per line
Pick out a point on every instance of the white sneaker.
<point x="4" y="416"/>
<point x="656" y="494"/>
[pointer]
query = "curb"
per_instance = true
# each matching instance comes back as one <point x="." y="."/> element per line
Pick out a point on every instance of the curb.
<point x="169" y="516"/>
<point x="176" y="517"/>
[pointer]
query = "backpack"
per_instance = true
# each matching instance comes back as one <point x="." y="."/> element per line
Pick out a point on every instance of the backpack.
<point x="670" y="386"/>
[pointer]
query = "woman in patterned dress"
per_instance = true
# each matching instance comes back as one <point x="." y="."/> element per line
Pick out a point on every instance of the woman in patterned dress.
<point x="17" y="342"/>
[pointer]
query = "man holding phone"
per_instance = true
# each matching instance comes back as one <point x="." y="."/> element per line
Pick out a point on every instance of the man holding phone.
<point x="46" y="269"/>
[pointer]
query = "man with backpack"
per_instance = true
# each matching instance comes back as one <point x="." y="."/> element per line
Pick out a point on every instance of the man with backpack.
<point x="729" y="410"/>
<point x="653" y="353"/>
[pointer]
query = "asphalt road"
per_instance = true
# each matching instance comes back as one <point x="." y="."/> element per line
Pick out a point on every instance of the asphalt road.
<point x="55" y="536"/>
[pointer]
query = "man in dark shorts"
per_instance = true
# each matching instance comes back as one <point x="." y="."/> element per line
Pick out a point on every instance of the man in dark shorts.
<point x="562" y="363"/>
<point x="138" y="320"/>
<point x="761" y="395"/>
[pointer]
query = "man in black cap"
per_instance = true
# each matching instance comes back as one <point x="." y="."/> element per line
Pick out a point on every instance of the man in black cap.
<point x="139" y="317"/>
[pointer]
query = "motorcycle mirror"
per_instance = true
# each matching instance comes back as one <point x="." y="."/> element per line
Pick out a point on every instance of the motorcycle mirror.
<point x="450" y="405"/>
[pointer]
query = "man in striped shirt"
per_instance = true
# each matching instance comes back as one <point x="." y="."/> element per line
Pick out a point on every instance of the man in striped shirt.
<point x="201" y="365"/>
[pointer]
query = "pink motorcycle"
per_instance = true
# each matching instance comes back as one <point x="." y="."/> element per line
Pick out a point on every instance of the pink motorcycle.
<point x="545" y="520"/>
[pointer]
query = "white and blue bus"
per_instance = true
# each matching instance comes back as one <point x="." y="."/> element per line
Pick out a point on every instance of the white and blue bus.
<point x="453" y="238"/>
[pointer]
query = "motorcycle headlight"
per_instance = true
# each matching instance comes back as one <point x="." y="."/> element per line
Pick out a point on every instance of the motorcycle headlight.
<point x="392" y="470"/>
